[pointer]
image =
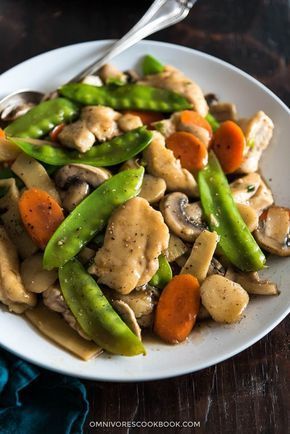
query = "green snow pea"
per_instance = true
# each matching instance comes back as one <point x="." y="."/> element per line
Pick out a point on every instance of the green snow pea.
<point x="236" y="241"/>
<point x="129" y="96"/>
<point x="94" y="313"/>
<point x="212" y="121"/>
<point x="42" y="118"/>
<point x="163" y="274"/>
<point x="90" y="217"/>
<point x="115" y="151"/>
<point x="151" y="65"/>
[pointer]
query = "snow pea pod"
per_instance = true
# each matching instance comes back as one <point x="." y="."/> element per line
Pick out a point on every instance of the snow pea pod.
<point x="94" y="313"/>
<point x="151" y="65"/>
<point x="236" y="241"/>
<point x="115" y="151"/>
<point x="90" y="217"/>
<point x="129" y="96"/>
<point x="42" y="118"/>
<point x="163" y="275"/>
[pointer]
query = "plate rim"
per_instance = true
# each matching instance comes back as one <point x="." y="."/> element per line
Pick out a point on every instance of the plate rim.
<point x="215" y="359"/>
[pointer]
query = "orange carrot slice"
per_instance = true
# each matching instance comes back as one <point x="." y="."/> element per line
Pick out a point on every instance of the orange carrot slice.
<point x="228" y="144"/>
<point x="190" y="117"/>
<point x="177" y="309"/>
<point x="2" y="134"/>
<point x="189" y="149"/>
<point x="146" y="117"/>
<point x="41" y="215"/>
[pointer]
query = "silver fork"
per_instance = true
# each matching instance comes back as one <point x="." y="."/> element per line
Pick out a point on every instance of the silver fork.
<point x="161" y="14"/>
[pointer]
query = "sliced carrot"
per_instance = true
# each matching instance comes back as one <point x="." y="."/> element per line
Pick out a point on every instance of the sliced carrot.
<point x="55" y="132"/>
<point x="228" y="144"/>
<point x="41" y="215"/>
<point x="189" y="149"/>
<point x="2" y="134"/>
<point x="177" y="309"/>
<point x="190" y="117"/>
<point x="146" y="117"/>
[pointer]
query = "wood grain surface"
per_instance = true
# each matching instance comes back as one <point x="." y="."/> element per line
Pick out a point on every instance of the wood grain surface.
<point x="248" y="393"/>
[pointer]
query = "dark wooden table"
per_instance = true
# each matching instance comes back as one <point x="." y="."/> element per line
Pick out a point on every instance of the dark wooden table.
<point x="248" y="393"/>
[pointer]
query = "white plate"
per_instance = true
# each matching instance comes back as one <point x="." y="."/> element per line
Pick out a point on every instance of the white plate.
<point x="208" y="344"/>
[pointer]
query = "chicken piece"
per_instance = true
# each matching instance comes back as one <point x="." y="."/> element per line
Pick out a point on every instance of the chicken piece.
<point x="162" y="164"/>
<point x="109" y="71"/>
<point x="77" y="136"/>
<point x="12" y="291"/>
<point x="136" y="235"/>
<point x="258" y="132"/>
<point x="128" y="122"/>
<point x="173" y="79"/>
<point x="53" y="299"/>
<point x="101" y="121"/>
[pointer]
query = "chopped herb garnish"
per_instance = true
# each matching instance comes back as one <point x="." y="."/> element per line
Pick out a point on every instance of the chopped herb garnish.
<point x="250" y="188"/>
<point x="251" y="143"/>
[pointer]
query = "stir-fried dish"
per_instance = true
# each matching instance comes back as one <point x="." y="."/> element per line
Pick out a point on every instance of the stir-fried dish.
<point x="132" y="202"/>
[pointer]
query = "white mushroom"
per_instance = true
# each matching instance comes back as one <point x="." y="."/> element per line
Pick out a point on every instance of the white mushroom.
<point x="183" y="218"/>
<point x="223" y="111"/>
<point x="77" y="136"/>
<point x="176" y="248"/>
<point x="252" y="284"/>
<point x="93" y="80"/>
<point x="12" y="291"/>
<point x="128" y="316"/>
<point x="76" y="180"/>
<point x="101" y="121"/>
<point x="245" y="187"/>
<point x="224" y="300"/>
<point x="258" y="132"/>
<point x="262" y="199"/>
<point x="53" y="299"/>
<point x="135" y="237"/>
<point x="128" y="122"/>
<point x="153" y="188"/>
<point x="34" y="277"/>
<point x="201" y="255"/>
<point x="173" y="79"/>
<point x="273" y="233"/>
<point x="162" y="163"/>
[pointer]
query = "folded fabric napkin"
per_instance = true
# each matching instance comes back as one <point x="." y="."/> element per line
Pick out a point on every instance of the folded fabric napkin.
<point x="34" y="400"/>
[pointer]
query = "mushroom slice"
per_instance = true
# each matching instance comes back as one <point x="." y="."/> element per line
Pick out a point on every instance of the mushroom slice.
<point x="75" y="181"/>
<point x="77" y="136"/>
<point x="224" y="300"/>
<point x="258" y="133"/>
<point x="153" y="188"/>
<point x="128" y="316"/>
<point x="201" y="255"/>
<point x="273" y="233"/>
<point x="135" y="237"/>
<point x="162" y="163"/>
<point x="245" y="187"/>
<point x="101" y="121"/>
<point x="249" y="215"/>
<point x="182" y="218"/>
<point x="216" y="268"/>
<point x="128" y="122"/>
<point x="173" y="79"/>
<point x="34" y="277"/>
<point x="262" y="199"/>
<point x="224" y="111"/>
<point x="176" y="248"/>
<point x="12" y="291"/>
<point x="53" y="299"/>
<point x="253" y="285"/>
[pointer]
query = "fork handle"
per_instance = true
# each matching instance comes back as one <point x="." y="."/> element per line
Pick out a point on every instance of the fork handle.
<point x="161" y="14"/>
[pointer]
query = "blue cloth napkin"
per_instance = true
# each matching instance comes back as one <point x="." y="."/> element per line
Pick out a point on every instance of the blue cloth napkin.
<point x="36" y="401"/>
